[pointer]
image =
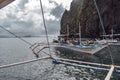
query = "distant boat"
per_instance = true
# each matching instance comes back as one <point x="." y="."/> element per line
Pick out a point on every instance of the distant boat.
<point x="112" y="41"/>
<point x="87" y="46"/>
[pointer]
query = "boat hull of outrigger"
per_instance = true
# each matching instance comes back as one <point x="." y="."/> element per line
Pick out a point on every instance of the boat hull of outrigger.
<point x="101" y="56"/>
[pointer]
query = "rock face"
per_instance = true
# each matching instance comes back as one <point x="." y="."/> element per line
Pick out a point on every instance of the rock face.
<point x="84" y="11"/>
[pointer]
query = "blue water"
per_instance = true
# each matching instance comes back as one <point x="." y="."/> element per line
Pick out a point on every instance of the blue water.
<point x="14" y="50"/>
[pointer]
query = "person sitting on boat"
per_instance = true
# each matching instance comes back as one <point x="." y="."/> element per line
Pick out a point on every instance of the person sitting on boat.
<point x="69" y="42"/>
<point x="87" y="42"/>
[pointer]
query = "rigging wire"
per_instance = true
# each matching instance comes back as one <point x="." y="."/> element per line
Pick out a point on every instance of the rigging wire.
<point x="103" y="28"/>
<point x="29" y="42"/>
<point x="109" y="49"/>
<point x="44" y="23"/>
<point x="20" y="38"/>
<point x="104" y="33"/>
<point x="16" y="36"/>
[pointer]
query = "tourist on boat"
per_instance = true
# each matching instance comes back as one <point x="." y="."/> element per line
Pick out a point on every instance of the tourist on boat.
<point x="87" y="42"/>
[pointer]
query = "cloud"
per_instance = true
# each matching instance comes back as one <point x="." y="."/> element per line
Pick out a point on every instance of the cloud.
<point x="23" y="17"/>
<point x="22" y="3"/>
<point x="57" y="11"/>
<point x="64" y="3"/>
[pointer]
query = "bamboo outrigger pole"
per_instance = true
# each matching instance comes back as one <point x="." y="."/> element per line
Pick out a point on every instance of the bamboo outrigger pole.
<point x="23" y="62"/>
<point x="110" y="73"/>
<point x="87" y="63"/>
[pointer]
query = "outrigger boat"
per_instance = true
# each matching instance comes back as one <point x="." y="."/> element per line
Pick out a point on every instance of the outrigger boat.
<point x="86" y="46"/>
<point x="112" y="41"/>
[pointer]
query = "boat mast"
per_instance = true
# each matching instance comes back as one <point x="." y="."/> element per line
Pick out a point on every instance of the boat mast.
<point x="112" y="33"/>
<point x="80" y="35"/>
<point x="67" y="31"/>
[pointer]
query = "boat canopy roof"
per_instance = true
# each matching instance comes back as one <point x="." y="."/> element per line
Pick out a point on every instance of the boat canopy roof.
<point x="4" y="3"/>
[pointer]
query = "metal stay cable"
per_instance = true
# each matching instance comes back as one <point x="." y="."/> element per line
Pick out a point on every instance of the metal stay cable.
<point x="104" y="33"/>
<point x="103" y="28"/>
<point x="19" y="37"/>
<point x="44" y="23"/>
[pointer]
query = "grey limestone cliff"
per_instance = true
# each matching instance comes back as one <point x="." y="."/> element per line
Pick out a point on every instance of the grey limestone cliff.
<point x="84" y="11"/>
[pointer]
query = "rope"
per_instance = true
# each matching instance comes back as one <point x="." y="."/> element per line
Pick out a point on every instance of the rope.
<point x="36" y="47"/>
<point x="44" y="23"/>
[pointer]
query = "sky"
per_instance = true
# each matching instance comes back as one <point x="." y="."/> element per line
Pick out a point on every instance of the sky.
<point x="24" y="18"/>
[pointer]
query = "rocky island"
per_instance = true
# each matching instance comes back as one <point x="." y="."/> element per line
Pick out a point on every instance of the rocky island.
<point x="84" y="11"/>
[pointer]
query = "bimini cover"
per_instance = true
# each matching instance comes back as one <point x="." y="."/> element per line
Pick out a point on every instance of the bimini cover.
<point x="4" y="3"/>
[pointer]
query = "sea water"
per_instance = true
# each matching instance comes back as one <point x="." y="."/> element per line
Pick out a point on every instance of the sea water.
<point x="14" y="50"/>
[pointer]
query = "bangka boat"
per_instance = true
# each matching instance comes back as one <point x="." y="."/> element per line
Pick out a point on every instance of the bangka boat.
<point x="87" y="46"/>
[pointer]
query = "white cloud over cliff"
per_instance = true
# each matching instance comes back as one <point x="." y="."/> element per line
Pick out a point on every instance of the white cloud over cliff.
<point x="23" y="17"/>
